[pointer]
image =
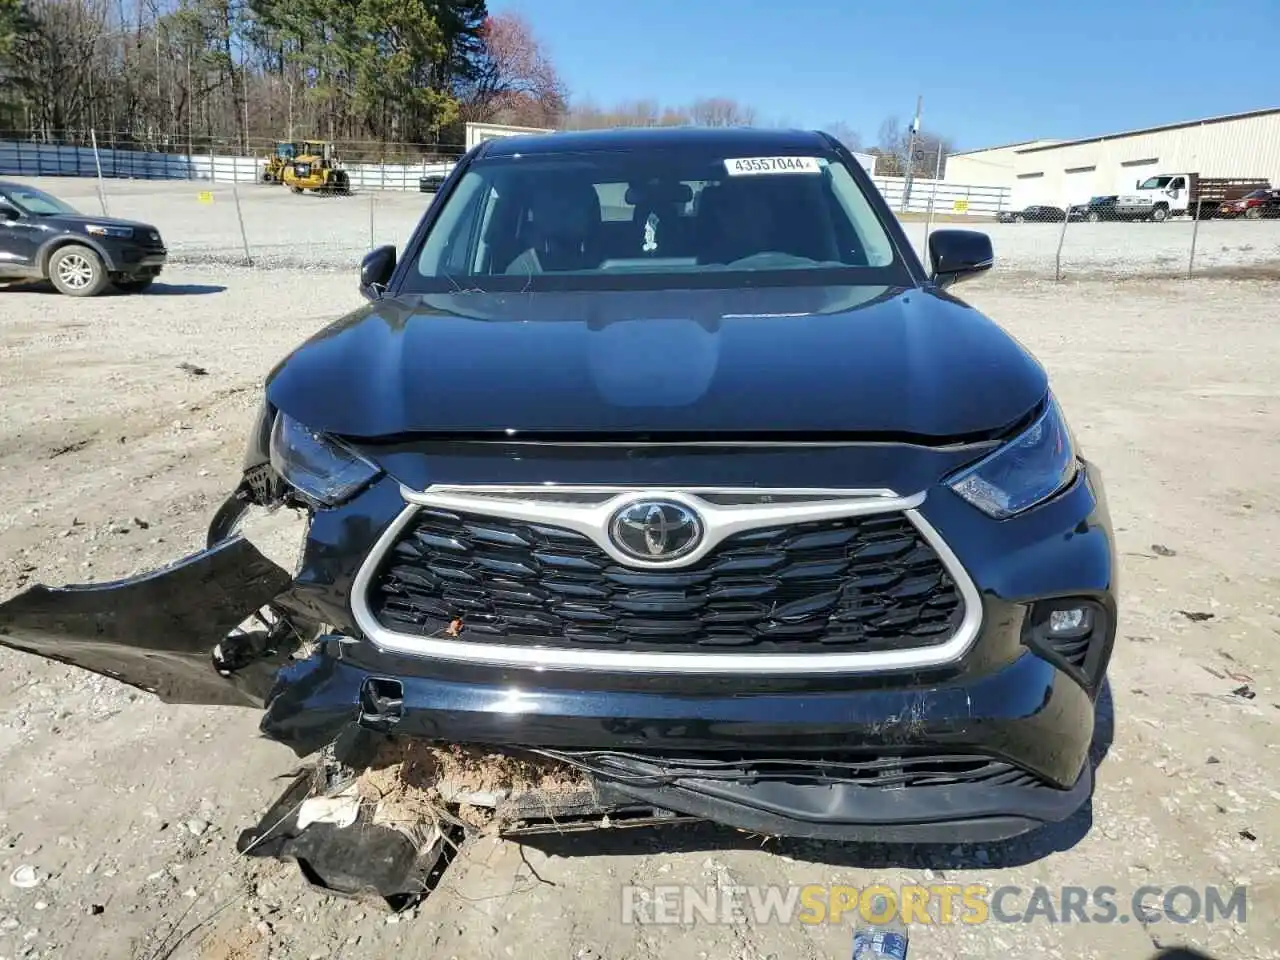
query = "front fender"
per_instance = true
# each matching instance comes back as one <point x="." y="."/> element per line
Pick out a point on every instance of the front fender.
<point x="157" y="631"/>
<point x="62" y="240"/>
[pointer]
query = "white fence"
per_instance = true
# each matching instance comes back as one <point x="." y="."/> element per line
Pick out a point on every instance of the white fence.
<point x="944" y="196"/>
<point x="24" y="158"/>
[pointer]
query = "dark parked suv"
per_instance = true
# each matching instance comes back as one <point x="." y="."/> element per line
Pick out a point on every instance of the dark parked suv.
<point x="44" y="238"/>
<point x="721" y="499"/>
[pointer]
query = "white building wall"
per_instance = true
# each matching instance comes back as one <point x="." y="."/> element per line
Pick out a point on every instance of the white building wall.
<point x="993" y="168"/>
<point x="1248" y="147"/>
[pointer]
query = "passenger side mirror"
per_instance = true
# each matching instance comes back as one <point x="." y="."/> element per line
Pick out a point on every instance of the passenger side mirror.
<point x="375" y="271"/>
<point x="956" y="255"/>
<point x="9" y="212"/>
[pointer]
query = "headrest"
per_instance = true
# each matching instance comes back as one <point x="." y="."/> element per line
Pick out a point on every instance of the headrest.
<point x="569" y="208"/>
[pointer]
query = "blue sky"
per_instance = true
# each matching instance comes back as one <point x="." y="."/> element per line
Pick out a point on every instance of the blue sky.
<point x="990" y="71"/>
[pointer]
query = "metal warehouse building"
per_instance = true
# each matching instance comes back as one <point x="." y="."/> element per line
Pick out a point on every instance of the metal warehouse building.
<point x="1062" y="172"/>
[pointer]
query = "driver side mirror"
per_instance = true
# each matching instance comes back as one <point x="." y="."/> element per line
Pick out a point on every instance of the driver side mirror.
<point x="9" y="212"/>
<point x="375" y="271"/>
<point x="956" y="255"/>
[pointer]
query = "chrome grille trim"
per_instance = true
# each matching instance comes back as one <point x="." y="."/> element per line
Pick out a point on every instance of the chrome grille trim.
<point x="546" y="504"/>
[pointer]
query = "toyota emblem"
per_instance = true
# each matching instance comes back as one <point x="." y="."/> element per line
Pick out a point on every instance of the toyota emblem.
<point x="656" y="530"/>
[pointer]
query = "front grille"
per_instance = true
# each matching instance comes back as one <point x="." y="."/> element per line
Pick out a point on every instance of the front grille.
<point x="854" y="584"/>
<point x="859" y="769"/>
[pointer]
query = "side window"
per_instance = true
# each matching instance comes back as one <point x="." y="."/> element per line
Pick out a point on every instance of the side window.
<point x="1178" y="184"/>
<point x="448" y="246"/>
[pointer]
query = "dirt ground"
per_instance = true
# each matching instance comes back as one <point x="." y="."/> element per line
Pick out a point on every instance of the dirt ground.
<point x="113" y="456"/>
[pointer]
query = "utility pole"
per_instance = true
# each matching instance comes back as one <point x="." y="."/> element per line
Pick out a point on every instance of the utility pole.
<point x="911" y="154"/>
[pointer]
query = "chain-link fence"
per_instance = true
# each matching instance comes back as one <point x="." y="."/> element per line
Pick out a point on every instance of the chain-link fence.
<point x="1089" y="230"/>
<point x="1196" y="199"/>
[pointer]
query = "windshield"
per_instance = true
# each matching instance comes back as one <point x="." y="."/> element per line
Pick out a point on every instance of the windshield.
<point x="653" y="218"/>
<point x="37" y="202"/>
<point x="1155" y="183"/>
<point x="1258" y="195"/>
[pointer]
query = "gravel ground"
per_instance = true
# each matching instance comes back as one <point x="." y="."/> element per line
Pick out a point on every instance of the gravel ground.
<point x="125" y="811"/>
<point x="284" y="229"/>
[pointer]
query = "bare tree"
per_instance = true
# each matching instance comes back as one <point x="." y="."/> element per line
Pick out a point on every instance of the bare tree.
<point x="893" y="144"/>
<point x="845" y="134"/>
<point x="721" y="112"/>
<point x="515" y="81"/>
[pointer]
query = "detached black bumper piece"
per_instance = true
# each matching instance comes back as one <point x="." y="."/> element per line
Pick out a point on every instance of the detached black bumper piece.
<point x="157" y="631"/>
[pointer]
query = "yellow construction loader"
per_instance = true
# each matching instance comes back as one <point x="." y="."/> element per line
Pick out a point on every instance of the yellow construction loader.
<point x="317" y="168"/>
<point x="285" y="153"/>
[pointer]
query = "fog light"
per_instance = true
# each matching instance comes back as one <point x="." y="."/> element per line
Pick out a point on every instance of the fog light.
<point x="1072" y="622"/>
<point x="1073" y="631"/>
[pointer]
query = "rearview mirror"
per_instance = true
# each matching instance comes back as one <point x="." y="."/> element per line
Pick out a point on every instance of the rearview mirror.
<point x="375" y="271"/>
<point x="956" y="255"/>
<point x="9" y="212"/>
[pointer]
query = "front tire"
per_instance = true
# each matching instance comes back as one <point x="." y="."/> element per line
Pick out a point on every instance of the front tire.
<point x="1160" y="214"/>
<point x="1019" y="218"/>
<point x="1094" y="216"/>
<point x="1253" y="213"/>
<point x="77" y="271"/>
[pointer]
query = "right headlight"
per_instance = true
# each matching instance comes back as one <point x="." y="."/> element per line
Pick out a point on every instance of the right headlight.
<point x="323" y="469"/>
<point x="1027" y="470"/>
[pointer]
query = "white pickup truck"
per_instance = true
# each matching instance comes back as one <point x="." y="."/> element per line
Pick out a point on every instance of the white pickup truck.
<point x="1177" y="194"/>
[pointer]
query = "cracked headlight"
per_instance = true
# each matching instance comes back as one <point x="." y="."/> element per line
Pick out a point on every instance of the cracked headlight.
<point x="1027" y="470"/>
<point x="101" y="230"/>
<point x="319" y="467"/>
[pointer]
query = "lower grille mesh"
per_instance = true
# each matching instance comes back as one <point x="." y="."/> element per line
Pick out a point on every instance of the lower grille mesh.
<point x="876" y="772"/>
<point x="856" y="583"/>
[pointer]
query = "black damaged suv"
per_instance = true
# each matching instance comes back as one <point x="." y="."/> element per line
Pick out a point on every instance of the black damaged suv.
<point x="44" y="238"/>
<point x="661" y="454"/>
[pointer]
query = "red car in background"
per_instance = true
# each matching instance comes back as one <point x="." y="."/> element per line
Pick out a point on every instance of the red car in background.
<point x="1254" y="205"/>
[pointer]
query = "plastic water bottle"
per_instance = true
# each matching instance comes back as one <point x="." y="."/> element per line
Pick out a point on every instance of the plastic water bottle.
<point x="881" y="941"/>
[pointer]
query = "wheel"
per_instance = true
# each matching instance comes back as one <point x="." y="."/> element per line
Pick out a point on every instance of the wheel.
<point x="136" y="285"/>
<point x="1094" y="216"/>
<point x="1160" y="214"/>
<point x="294" y="188"/>
<point x="77" y="271"/>
<point x="1253" y="213"/>
<point x="1019" y="218"/>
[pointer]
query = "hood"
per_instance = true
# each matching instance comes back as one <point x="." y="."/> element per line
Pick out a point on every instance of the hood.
<point x="69" y="220"/>
<point x="855" y="362"/>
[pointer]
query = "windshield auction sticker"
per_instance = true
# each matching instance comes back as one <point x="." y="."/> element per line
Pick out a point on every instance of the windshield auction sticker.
<point x="745" y="166"/>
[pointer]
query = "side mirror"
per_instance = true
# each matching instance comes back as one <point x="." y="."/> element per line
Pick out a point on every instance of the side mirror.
<point x="375" y="271"/>
<point x="9" y="212"/>
<point x="956" y="255"/>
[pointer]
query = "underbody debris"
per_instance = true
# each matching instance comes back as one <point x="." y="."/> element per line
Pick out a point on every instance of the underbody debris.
<point x="390" y="830"/>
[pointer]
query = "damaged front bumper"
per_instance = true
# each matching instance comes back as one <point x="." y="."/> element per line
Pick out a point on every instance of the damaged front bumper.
<point x="990" y="746"/>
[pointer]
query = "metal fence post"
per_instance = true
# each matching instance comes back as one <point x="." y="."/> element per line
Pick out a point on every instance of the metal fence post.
<point x="1195" y="229"/>
<point x="928" y="221"/>
<point x="97" y="162"/>
<point x="371" y="233"/>
<point x="1062" y="236"/>
<point x="244" y="236"/>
